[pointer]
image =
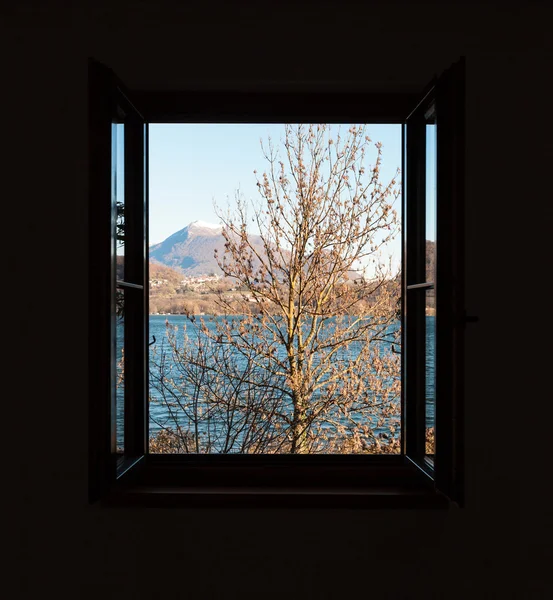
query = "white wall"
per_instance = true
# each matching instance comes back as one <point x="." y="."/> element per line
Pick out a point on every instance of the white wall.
<point x="62" y="545"/>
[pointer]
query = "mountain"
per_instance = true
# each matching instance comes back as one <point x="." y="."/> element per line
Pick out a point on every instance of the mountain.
<point x="191" y="249"/>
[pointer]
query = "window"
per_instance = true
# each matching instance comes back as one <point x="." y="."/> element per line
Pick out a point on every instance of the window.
<point x="428" y="467"/>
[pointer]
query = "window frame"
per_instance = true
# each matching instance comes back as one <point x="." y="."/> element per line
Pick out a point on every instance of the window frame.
<point x="373" y="481"/>
<point x="414" y="281"/>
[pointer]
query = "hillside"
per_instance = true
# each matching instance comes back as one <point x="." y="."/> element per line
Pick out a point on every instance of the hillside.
<point x="163" y="274"/>
<point x="430" y="260"/>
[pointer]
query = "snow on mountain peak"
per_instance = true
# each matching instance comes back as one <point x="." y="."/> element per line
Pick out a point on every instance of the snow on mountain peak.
<point x="204" y="225"/>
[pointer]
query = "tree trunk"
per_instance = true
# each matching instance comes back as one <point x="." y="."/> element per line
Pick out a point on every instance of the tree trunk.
<point x="299" y="426"/>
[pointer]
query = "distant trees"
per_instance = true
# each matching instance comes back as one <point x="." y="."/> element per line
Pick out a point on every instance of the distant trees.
<point x="307" y="367"/>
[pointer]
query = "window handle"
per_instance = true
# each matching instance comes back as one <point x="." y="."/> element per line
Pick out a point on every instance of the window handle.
<point x="152" y="343"/>
<point x="468" y="318"/>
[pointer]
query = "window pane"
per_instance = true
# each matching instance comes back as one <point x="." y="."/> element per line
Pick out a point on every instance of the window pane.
<point x="120" y="371"/>
<point x="276" y="312"/>
<point x="431" y="163"/>
<point x="118" y="194"/>
<point x="430" y="370"/>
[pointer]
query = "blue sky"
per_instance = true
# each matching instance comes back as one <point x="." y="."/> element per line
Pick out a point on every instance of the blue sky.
<point x="193" y="165"/>
<point x="431" y="182"/>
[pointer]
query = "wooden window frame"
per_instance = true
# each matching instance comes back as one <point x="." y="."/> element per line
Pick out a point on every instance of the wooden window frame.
<point x="349" y="481"/>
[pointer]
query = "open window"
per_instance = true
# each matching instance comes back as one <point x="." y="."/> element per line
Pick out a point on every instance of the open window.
<point x="433" y="318"/>
<point x="118" y="281"/>
<point x="426" y="471"/>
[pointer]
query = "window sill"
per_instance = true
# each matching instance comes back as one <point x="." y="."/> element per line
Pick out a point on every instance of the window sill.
<point x="198" y="482"/>
<point x="247" y="498"/>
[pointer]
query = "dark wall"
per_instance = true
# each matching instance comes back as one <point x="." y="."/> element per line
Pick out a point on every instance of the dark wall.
<point x="65" y="548"/>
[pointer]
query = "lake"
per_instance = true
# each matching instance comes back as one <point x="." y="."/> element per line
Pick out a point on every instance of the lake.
<point x="159" y="412"/>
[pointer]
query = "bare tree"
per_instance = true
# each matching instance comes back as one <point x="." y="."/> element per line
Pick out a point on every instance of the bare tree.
<point x="310" y="354"/>
<point x="214" y="399"/>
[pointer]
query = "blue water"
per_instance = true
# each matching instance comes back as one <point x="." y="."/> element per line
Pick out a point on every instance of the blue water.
<point x="159" y="412"/>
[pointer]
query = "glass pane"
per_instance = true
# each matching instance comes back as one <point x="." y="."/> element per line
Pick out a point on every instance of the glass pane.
<point x="120" y="371"/>
<point x="118" y="200"/>
<point x="118" y="193"/>
<point x="431" y="159"/>
<point x="430" y="370"/>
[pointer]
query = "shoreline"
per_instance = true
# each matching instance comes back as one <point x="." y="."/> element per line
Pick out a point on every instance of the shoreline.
<point x="429" y="313"/>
